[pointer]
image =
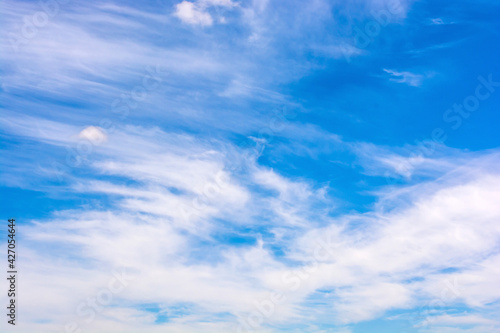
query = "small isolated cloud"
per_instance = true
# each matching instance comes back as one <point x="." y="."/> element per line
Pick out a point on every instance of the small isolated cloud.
<point x="437" y="21"/>
<point x="189" y="12"/>
<point x="196" y="13"/>
<point x="95" y="135"/>
<point x="411" y="79"/>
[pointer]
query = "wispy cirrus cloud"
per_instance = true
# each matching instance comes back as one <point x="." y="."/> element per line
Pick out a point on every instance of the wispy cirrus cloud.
<point x="260" y="164"/>
<point x="146" y="230"/>
<point x="411" y="79"/>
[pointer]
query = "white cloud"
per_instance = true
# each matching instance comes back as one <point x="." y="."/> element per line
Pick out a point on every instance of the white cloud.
<point x="437" y="21"/>
<point x="411" y="79"/>
<point x="190" y="13"/>
<point x="373" y="255"/>
<point x="196" y="13"/>
<point x="94" y="134"/>
<point x="150" y="182"/>
<point x="461" y="320"/>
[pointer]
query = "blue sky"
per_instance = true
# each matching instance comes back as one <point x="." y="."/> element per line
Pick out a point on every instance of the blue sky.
<point x="253" y="166"/>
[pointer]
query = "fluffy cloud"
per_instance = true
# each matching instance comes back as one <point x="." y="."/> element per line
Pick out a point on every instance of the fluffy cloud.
<point x="93" y="134"/>
<point x="190" y="13"/>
